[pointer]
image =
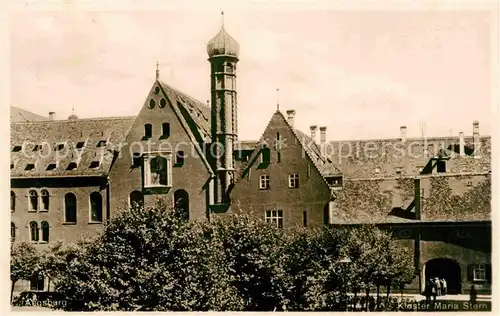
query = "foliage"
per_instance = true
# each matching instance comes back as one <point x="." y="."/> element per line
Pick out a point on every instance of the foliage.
<point x="24" y="262"/>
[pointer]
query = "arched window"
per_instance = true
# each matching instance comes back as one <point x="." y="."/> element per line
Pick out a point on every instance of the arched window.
<point x="45" y="231"/>
<point x="165" y="130"/>
<point x="45" y="200"/>
<point x="95" y="207"/>
<point x="181" y="203"/>
<point x="70" y="208"/>
<point x="12" y="231"/>
<point x="33" y="200"/>
<point x="34" y="231"/>
<point x="12" y="201"/>
<point x="136" y="199"/>
<point x="148" y="131"/>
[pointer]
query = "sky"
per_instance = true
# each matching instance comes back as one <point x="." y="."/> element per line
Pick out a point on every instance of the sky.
<point x="363" y="74"/>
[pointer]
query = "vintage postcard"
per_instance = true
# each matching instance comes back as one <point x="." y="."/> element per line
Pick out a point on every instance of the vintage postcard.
<point x="252" y="157"/>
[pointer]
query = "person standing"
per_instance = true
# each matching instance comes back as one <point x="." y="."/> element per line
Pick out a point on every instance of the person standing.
<point x="473" y="294"/>
<point x="444" y="286"/>
<point x="438" y="286"/>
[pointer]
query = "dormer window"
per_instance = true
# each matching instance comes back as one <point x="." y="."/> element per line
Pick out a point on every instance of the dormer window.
<point x="101" y="143"/>
<point x="30" y="166"/>
<point x="37" y="147"/>
<point x="80" y="145"/>
<point x="72" y="166"/>
<point x="17" y="148"/>
<point x="441" y="166"/>
<point x="399" y="170"/>
<point x="51" y="166"/>
<point x="377" y="170"/>
<point x="94" y="165"/>
<point x="59" y="146"/>
<point x="334" y="181"/>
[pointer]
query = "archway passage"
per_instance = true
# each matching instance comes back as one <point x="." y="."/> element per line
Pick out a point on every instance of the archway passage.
<point x="449" y="270"/>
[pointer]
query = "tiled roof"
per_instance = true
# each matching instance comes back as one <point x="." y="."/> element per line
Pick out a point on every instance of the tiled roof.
<point x="35" y="145"/>
<point x="20" y="115"/>
<point x="196" y="113"/>
<point x="381" y="158"/>
<point x="194" y="116"/>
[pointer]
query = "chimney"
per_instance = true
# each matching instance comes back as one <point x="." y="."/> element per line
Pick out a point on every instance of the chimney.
<point x="476" y="140"/>
<point x="290" y="114"/>
<point x="417" y="198"/>
<point x="403" y="133"/>
<point x="52" y="115"/>
<point x="322" y="137"/>
<point x="462" y="144"/>
<point x="313" y="128"/>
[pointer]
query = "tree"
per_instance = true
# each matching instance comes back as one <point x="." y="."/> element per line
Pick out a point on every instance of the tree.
<point x="24" y="262"/>
<point x="316" y="279"/>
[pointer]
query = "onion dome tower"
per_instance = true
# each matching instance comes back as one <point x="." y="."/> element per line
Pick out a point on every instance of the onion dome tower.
<point x="223" y="53"/>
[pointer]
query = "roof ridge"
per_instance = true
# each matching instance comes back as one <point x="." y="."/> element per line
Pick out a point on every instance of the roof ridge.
<point x="107" y="118"/>
<point x="183" y="94"/>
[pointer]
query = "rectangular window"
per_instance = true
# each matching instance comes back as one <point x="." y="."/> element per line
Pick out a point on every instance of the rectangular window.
<point x="279" y="157"/>
<point x="157" y="170"/>
<point x="264" y="182"/>
<point x="17" y="148"/>
<point x="59" y="146"/>
<point x="441" y="166"/>
<point x="275" y="217"/>
<point x="304" y="218"/>
<point x="377" y="170"/>
<point x="80" y="145"/>
<point x="334" y="181"/>
<point x="265" y="155"/>
<point x="480" y="272"/>
<point x="293" y="180"/>
<point x="101" y="143"/>
<point x="399" y="170"/>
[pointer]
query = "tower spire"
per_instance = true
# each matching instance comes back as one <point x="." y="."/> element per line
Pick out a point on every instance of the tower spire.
<point x="157" y="70"/>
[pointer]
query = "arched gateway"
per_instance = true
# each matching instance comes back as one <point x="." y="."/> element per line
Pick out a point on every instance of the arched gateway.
<point x="445" y="268"/>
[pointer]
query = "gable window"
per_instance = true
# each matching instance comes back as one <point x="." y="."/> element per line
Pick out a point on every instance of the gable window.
<point x="148" y="131"/>
<point x="33" y="197"/>
<point x="70" y="208"/>
<point x="45" y="200"/>
<point x="479" y="272"/>
<point x="45" y="232"/>
<point x="12" y="201"/>
<point x="136" y="199"/>
<point x="179" y="158"/>
<point x="165" y="130"/>
<point x="441" y="166"/>
<point x="264" y="182"/>
<point x="34" y="231"/>
<point x="157" y="171"/>
<point x="278" y="156"/>
<point x="136" y="160"/>
<point x="265" y="155"/>
<point x="95" y="207"/>
<point x="275" y="217"/>
<point x="293" y="180"/>
<point x="12" y="231"/>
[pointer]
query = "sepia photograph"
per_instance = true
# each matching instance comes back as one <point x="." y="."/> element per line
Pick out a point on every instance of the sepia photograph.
<point x="262" y="156"/>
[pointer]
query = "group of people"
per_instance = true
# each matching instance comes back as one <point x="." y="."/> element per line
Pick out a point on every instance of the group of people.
<point x="435" y="287"/>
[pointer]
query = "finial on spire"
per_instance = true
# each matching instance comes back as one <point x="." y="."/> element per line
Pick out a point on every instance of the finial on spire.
<point x="277" y="99"/>
<point x="222" y="16"/>
<point x="157" y="70"/>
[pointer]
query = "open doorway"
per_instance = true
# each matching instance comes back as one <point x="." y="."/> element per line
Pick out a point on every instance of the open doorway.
<point x="449" y="270"/>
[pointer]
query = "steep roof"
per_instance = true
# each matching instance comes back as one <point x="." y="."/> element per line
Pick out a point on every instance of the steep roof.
<point x="20" y="115"/>
<point x="382" y="158"/>
<point x="47" y="148"/>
